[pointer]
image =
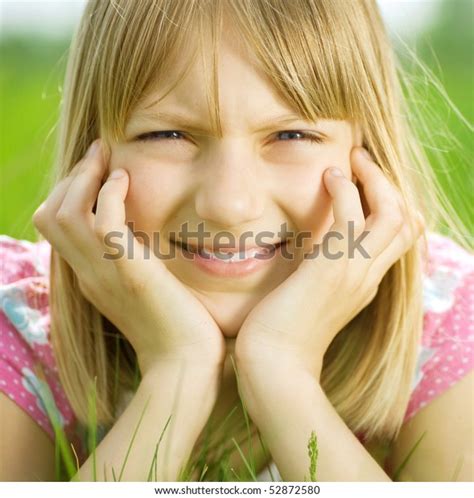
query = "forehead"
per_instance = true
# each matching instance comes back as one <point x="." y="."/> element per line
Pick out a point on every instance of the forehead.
<point x="243" y="90"/>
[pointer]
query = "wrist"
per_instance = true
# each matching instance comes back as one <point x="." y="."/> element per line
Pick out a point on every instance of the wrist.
<point x="195" y="385"/>
<point x="188" y="369"/>
<point x="261" y="363"/>
<point x="151" y="364"/>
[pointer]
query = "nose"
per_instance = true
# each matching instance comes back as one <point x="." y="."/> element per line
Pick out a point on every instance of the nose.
<point x="231" y="192"/>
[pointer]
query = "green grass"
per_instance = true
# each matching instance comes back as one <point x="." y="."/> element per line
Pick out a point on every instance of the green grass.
<point x="30" y="73"/>
<point x="313" y="455"/>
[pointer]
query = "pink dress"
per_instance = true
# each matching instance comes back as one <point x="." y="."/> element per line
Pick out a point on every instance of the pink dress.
<point x="28" y="374"/>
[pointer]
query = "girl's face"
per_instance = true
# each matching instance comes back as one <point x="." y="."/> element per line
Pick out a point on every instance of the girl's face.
<point x="255" y="179"/>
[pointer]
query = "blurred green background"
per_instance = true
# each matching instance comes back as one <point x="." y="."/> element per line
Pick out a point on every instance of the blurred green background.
<point x="31" y="75"/>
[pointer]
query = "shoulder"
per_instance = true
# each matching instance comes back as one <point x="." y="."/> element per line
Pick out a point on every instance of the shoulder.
<point x="28" y="372"/>
<point x="446" y="351"/>
<point x="437" y="443"/>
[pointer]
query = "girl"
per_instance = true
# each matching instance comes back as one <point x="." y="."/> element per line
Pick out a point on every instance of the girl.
<point x="346" y="334"/>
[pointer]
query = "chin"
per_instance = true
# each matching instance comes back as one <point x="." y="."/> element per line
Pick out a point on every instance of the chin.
<point x="229" y="310"/>
<point x="229" y="326"/>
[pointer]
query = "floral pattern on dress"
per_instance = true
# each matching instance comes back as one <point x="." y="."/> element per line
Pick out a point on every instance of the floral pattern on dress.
<point x="424" y="355"/>
<point x="27" y="320"/>
<point x="439" y="287"/>
<point x="44" y="397"/>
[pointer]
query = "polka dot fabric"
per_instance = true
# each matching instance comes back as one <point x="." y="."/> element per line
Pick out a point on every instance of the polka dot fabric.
<point x="29" y="377"/>
<point x="28" y="373"/>
<point x="447" y="348"/>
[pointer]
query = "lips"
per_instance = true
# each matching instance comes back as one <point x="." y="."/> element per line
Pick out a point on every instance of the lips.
<point x="230" y="255"/>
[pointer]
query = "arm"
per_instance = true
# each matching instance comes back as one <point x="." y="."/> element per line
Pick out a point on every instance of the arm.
<point x="286" y="416"/>
<point x="170" y="389"/>
<point x="26" y="451"/>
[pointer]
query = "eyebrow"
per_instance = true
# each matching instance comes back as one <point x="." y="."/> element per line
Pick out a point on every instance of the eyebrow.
<point x="184" y="121"/>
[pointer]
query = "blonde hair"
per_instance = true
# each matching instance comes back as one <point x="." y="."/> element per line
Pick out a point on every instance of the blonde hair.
<point x="328" y="59"/>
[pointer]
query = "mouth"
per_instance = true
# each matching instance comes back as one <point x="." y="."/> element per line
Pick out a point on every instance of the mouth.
<point x="231" y="255"/>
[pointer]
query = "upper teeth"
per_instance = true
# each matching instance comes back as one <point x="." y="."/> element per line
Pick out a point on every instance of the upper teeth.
<point x="226" y="258"/>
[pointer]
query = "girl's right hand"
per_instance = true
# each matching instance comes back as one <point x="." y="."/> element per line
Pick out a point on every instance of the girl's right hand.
<point x="160" y="317"/>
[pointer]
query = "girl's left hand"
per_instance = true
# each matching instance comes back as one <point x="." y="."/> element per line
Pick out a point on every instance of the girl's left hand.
<point x="297" y="321"/>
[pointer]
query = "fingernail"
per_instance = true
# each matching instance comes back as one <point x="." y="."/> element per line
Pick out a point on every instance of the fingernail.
<point x="92" y="148"/>
<point x="336" y="171"/>
<point x="116" y="174"/>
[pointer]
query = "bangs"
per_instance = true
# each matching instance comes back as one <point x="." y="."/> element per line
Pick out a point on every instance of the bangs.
<point x="302" y="50"/>
<point x="143" y="42"/>
<point x="309" y="50"/>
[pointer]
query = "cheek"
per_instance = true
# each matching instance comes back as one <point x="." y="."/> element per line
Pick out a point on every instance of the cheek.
<point x="140" y="201"/>
<point x="304" y="197"/>
<point x="152" y="197"/>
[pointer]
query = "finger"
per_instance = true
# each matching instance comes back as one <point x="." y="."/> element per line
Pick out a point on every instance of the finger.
<point x="44" y="218"/>
<point x="346" y="200"/>
<point x="75" y="215"/>
<point x="406" y="239"/>
<point x="386" y="216"/>
<point x="48" y="208"/>
<point x="110" y="215"/>
<point x="110" y="220"/>
<point x="45" y="221"/>
<point x="347" y="210"/>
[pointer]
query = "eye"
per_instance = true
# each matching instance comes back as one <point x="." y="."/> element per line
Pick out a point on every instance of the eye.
<point x="300" y="136"/>
<point x="288" y="135"/>
<point x="161" y="135"/>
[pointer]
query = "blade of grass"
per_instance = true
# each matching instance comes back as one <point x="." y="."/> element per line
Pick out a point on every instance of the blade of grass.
<point x="133" y="438"/>
<point x="57" y="460"/>
<point x="223" y="470"/>
<point x="75" y="457"/>
<point x="155" y="456"/>
<point x="247" y="465"/>
<point x="183" y="474"/>
<point x="62" y="450"/>
<point x="454" y="478"/>
<point x="221" y="426"/>
<point x="203" y="472"/>
<point x="92" y="423"/>
<point x="116" y="370"/>
<point x="137" y="377"/>
<point x="235" y="474"/>
<point x="247" y="423"/>
<point x="397" y="472"/>
<point x="199" y="461"/>
<point x="224" y="452"/>
<point x="212" y="452"/>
